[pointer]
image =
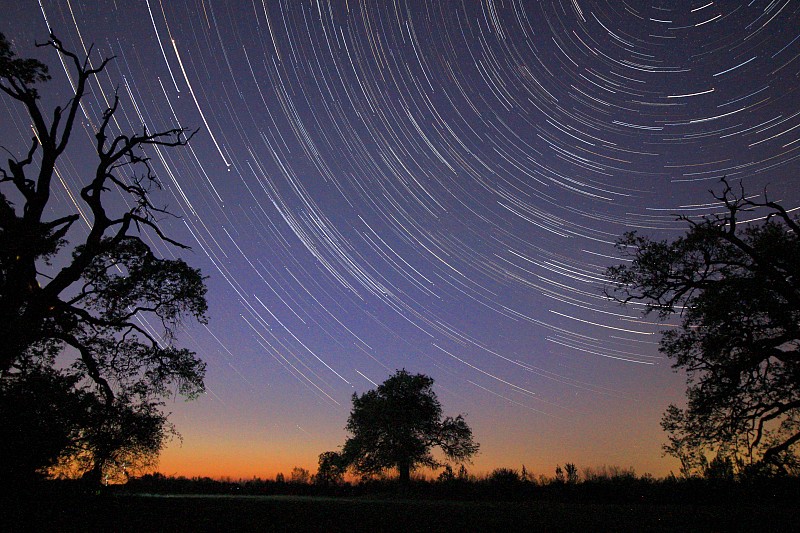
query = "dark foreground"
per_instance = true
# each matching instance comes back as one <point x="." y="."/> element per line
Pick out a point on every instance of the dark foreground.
<point x="312" y="513"/>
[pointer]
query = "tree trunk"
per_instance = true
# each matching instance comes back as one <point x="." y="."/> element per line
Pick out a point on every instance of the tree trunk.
<point x="405" y="472"/>
<point x="94" y="477"/>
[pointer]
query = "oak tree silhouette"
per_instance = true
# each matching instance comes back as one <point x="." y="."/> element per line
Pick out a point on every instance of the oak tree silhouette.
<point x="91" y="291"/>
<point x="734" y="281"/>
<point x="398" y="424"/>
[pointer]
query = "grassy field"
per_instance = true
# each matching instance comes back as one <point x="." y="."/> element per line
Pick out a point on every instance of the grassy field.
<point x="293" y="513"/>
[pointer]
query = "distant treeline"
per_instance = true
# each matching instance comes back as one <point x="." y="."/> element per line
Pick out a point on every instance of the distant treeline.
<point x="603" y="485"/>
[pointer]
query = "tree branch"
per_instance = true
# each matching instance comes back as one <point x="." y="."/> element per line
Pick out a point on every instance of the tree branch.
<point x="91" y="365"/>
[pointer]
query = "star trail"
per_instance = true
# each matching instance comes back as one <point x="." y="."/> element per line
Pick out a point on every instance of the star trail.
<point x="435" y="185"/>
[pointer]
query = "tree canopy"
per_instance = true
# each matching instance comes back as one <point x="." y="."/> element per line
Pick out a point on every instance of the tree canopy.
<point x="100" y="294"/>
<point x="398" y="424"/>
<point x="734" y="281"/>
<point x="331" y="469"/>
<point x="39" y="414"/>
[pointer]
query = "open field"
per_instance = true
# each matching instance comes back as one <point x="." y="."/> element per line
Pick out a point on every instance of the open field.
<point x="301" y="513"/>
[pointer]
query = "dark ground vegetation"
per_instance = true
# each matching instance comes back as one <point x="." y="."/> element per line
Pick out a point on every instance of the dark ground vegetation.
<point x="158" y="503"/>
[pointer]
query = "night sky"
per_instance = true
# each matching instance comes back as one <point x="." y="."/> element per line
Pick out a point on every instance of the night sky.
<point x="434" y="185"/>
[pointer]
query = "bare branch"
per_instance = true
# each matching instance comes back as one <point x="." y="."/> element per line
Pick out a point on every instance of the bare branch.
<point x="91" y="365"/>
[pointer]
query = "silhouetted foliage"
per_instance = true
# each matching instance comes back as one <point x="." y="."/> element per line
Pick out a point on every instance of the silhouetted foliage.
<point x="504" y="476"/>
<point x="56" y="426"/>
<point x="331" y="469"/>
<point x="641" y="505"/>
<point x="64" y="294"/>
<point x="559" y="475"/>
<point x="599" y="485"/>
<point x="115" y="440"/>
<point x="720" y="467"/>
<point x="300" y="476"/>
<point x="606" y="472"/>
<point x="572" y="473"/>
<point x="447" y="475"/>
<point x="736" y="286"/>
<point x="397" y="425"/>
<point x="40" y="413"/>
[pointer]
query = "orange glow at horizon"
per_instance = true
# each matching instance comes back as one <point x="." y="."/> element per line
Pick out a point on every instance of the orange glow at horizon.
<point x="503" y="444"/>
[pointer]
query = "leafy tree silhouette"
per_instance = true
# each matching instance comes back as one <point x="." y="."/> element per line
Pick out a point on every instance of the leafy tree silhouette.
<point x="90" y="293"/>
<point x="40" y="412"/>
<point x="115" y="440"/>
<point x="398" y="424"/>
<point x="331" y="469"/>
<point x="57" y="427"/>
<point x="735" y="283"/>
<point x="300" y="476"/>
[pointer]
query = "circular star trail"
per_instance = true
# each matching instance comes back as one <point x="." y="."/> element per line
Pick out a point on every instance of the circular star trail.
<point x="432" y="185"/>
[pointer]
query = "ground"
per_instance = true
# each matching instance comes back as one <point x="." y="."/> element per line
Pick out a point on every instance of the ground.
<point x="293" y="513"/>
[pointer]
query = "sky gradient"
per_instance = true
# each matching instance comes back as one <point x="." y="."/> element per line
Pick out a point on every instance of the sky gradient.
<point x="429" y="185"/>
